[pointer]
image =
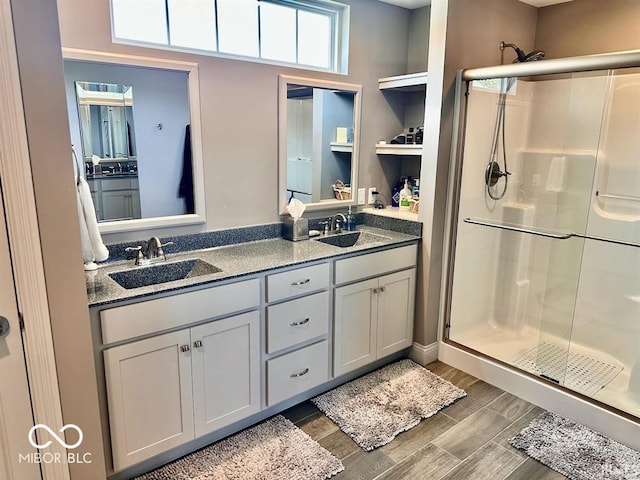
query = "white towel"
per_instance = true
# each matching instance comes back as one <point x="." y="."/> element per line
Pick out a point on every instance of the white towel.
<point x="555" y="177"/>
<point x="93" y="249"/>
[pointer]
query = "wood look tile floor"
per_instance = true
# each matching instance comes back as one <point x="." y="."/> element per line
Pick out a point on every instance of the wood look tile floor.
<point x="467" y="441"/>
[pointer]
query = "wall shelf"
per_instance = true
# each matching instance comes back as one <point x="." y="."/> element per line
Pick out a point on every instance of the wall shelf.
<point x="408" y="82"/>
<point x="398" y="149"/>
<point x="342" y="147"/>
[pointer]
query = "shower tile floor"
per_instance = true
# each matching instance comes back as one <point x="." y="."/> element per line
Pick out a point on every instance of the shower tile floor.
<point x="468" y="440"/>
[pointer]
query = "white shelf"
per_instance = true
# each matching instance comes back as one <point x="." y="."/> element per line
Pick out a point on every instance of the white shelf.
<point x="341" y="147"/>
<point x="409" y="82"/>
<point x="398" y="149"/>
<point x="392" y="212"/>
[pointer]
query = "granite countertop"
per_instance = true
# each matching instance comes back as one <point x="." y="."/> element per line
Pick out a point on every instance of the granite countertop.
<point x="234" y="261"/>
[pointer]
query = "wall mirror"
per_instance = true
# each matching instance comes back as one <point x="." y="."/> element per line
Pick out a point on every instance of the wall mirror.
<point x="318" y="142"/>
<point x="142" y="154"/>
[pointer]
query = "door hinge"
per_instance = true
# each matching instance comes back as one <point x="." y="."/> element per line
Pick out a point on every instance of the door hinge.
<point x="21" y="321"/>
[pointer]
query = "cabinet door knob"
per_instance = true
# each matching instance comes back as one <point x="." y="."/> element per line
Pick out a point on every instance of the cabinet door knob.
<point x="382" y="289"/>
<point x="376" y="290"/>
<point x="300" y="373"/>
<point x="301" y="322"/>
<point x="197" y="344"/>
<point x="184" y="348"/>
<point x="300" y="282"/>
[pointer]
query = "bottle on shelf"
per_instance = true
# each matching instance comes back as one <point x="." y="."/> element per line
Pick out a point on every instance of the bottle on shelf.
<point x="405" y="197"/>
<point x="351" y="222"/>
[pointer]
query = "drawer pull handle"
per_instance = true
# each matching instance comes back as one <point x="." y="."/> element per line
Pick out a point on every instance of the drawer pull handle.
<point x="300" y="282"/>
<point x="185" y="348"/>
<point x="301" y="322"/>
<point x="299" y="374"/>
<point x="197" y="344"/>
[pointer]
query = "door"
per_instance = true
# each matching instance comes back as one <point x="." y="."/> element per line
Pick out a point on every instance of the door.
<point x="149" y="396"/>
<point x="355" y="326"/>
<point x="15" y="405"/>
<point x="396" y="295"/>
<point x="226" y="371"/>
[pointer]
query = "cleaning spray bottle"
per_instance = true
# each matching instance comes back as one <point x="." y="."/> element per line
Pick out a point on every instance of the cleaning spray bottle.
<point x="405" y="197"/>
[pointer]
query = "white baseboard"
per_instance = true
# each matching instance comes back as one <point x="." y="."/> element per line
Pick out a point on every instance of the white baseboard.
<point x="424" y="354"/>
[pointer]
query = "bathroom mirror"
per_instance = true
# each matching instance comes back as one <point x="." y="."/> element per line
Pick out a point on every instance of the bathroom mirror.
<point x="318" y="128"/>
<point x="142" y="156"/>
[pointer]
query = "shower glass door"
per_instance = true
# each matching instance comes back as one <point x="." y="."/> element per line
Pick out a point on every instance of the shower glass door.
<point x="528" y="163"/>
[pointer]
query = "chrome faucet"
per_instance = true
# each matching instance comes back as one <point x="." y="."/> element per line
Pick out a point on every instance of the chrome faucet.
<point x="336" y="227"/>
<point x="153" y="251"/>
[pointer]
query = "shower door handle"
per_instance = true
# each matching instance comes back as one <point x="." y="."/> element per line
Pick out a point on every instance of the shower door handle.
<point x="514" y="228"/>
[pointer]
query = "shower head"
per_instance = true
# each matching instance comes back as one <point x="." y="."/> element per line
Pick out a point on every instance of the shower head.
<point x="523" y="57"/>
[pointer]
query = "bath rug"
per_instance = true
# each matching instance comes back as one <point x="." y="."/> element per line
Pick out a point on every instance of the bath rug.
<point x="582" y="373"/>
<point x="373" y="409"/>
<point x="273" y="450"/>
<point x="576" y="451"/>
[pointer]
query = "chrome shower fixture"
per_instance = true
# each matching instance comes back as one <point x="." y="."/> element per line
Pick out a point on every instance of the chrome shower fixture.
<point x="523" y="57"/>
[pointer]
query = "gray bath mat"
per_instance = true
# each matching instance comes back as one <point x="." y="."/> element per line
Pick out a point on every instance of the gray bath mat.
<point x="576" y="451"/>
<point x="273" y="450"/>
<point x="375" y="408"/>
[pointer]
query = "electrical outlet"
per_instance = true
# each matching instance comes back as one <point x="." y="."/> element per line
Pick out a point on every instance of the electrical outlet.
<point x="361" y="194"/>
<point x="372" y="198"/>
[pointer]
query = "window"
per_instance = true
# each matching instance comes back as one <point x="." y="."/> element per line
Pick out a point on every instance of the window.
<point x="308" y="33"/>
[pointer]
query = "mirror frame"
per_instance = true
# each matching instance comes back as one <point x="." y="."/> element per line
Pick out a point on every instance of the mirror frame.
<point x="284" y="81"/>
<point x="193" y="83"/>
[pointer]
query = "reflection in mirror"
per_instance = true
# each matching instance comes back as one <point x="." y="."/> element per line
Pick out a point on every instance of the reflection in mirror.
<point x="108" y="145"/>
<point x="142" y="154"/>
<point x="318" y="141"/>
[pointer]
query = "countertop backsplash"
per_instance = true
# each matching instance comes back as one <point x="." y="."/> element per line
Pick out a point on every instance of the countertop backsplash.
<point x="220" y="238"/>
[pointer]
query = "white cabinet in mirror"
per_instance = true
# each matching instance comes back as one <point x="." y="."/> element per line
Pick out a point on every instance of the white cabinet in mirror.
<point x="318" y="142"/>
<point x="148" y="145"/>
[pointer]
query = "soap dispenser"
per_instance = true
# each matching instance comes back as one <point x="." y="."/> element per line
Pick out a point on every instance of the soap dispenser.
<point x="351" y="222"/>
<point x="405" y="197"/>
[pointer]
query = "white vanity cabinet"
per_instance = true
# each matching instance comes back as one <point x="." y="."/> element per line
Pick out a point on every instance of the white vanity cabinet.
<point x="297" y="331"/>
<point x="170" y="388"/>
<point x="373" y="318"/>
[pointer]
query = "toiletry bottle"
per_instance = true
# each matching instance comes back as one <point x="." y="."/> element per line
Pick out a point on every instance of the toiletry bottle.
<point x="415" y="190"/>
<point x="419" y="135"/>
<point x="405" y="197"/>
<point x="411" y="136"/>
<point x="351" y="221"/>
<point x="395" y="195"/>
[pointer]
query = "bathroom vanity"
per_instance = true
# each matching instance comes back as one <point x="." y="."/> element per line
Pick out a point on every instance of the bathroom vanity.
<point x="185" y="362"/>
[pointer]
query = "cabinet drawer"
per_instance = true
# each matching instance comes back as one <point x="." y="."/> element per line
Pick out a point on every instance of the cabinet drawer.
<point x="295" y="282"/>
<point x="119" y="183"/>
<point x="142" y="318"/>
<point x="297" y="372"/>
<point x="372" y="264"/>
<point x="297" y="321"/>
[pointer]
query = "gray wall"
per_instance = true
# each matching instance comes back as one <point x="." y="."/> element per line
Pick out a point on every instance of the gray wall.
<point x="586" y="27"/>
<point x="239" y="107"/>
<point x="159" y="96"/>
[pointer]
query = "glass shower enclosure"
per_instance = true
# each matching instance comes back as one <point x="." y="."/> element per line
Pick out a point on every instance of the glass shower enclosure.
<point x="544" y="241"/>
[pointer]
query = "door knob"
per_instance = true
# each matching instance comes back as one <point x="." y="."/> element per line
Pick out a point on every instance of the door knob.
<point x="4" y="327"/>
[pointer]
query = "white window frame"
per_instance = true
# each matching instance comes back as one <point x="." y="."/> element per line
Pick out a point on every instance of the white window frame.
<point x="340" y="21"/>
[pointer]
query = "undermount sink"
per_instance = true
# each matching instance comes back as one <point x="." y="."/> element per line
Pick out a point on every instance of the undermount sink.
<point x="351" y="239"/>
<point x="163" y="273"/>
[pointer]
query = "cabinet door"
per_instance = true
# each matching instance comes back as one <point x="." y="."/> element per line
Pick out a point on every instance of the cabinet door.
<point x="149" y="397"/>
<point x="355" y="326"/>
<point x="226" y="371"/>
<point x="396" y="296"/>
<point x="116" y="205"/>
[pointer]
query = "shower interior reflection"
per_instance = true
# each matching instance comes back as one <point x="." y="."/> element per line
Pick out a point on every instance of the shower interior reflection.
<point x="564" y="308"/>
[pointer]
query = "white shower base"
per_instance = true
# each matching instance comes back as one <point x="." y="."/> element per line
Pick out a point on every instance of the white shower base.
<point x="605" y="372"/>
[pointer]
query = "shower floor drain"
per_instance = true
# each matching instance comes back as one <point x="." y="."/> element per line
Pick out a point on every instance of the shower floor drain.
<point x="581" y="373"/>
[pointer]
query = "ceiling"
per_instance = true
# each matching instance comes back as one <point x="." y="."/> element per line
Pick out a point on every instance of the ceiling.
<point x="421" y="3"/>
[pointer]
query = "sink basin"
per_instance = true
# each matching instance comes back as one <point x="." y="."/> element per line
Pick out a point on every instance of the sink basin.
<point x="163" y="273"/>
<point x="351" y="239"/>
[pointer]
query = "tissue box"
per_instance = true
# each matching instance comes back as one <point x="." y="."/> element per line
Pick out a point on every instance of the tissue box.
<point x="296" y="229"/>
